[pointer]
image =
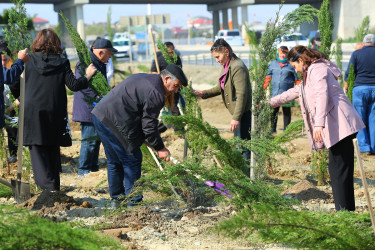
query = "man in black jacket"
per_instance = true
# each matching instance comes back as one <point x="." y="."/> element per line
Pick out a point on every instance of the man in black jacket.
<point x="127" y="117"/>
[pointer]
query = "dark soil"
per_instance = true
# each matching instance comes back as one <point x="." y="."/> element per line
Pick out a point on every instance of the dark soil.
<point x="306" y="191"/>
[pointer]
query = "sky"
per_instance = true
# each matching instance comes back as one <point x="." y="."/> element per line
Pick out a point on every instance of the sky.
<point x="180" y="13"/>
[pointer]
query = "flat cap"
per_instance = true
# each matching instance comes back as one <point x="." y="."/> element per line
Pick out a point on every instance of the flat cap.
<point x="369" y="38"/>
<point x="102" y="43"/>
<point x="178" y="73"/>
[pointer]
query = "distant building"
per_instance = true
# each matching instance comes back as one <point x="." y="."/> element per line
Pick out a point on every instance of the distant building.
<point x="200" y="23"/>
<point x="40" y="23"/>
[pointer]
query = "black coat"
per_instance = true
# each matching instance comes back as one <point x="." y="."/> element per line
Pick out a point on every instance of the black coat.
<point x="46" y="116"/>
<point x="131" y="111"/>
<point x="163" y="63"/>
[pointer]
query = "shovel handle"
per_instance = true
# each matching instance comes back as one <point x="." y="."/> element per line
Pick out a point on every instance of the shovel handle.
<point x="6" y="183"/>
<point x="364" y="182"/>
<point x="21" y="114"/>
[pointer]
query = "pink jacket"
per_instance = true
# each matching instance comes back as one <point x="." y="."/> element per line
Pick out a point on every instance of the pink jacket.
<point x="323" y="104"/>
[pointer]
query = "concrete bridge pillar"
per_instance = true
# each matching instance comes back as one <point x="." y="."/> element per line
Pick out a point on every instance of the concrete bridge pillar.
<point x="244" y="14"/>
<point x="234" y="18"/>
<point x="224" y="12"/>
<point x="216" y="22"/>
<point x="73" y="10"/>
<point x="348" y="16"/>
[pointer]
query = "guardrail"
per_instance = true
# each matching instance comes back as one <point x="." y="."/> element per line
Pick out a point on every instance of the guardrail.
<point x="208" y="59"/>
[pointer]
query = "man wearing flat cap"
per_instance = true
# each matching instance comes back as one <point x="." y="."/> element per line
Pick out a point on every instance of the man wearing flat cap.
<point x="364" y="92"/>
<point x="127" y="117"/>
<point x="100" y="52"/>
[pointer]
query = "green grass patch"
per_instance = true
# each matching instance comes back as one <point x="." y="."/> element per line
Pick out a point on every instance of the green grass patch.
<point x="5" y="192"/>
<point x="19" y="229"/>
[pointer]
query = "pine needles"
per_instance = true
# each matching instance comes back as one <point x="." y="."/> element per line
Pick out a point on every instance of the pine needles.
<point x="301" y="229"/>
<point x="98" y="83"/>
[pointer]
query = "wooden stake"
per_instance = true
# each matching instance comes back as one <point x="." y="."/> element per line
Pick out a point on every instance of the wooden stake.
<point x="364" y="182"/>
<point x="155" y="56"/>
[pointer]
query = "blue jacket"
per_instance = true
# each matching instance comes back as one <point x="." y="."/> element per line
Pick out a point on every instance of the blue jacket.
<point x="8" y="76"/>
<point x="282" y="77"/>
<point x="364" y="66"/>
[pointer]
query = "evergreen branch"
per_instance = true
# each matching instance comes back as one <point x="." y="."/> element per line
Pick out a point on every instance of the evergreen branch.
<point x="98" y="83"/>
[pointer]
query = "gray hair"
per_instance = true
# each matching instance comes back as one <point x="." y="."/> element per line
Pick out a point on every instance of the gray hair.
<point x="165" y="73"/>
<point x="369" y="38"/>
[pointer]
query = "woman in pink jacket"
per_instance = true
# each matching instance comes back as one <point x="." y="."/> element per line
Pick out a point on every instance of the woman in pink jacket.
<point x="330" y="119"/>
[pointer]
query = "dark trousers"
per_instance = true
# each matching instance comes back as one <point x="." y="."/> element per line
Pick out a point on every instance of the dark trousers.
<point x="341" y="169"/>
<point x="287" y="113"/>
<point x="12" y="137"/>
<point x="243" y="132"/>
<point x="46" y="163"/>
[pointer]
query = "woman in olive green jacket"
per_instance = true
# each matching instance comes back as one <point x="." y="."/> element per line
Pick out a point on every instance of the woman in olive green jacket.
<point x="235" y="89"/>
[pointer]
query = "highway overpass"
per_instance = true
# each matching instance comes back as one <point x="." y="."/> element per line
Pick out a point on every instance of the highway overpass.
<point x="348" y="14"/>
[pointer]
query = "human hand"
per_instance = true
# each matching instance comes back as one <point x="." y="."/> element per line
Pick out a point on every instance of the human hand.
<point x="164" y="154"/>
<point x="234" y="125"/>
<point x="318" y="134"/>
<point x="23" y="55"/>
<point x="198" y="93"/>
<point x="90" y="71"/>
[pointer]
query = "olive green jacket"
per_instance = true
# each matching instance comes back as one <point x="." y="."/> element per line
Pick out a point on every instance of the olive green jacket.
<point x="237" y="89"/>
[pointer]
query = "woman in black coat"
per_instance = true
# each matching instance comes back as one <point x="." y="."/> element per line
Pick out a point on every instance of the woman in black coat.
<point x="46" y="125"/>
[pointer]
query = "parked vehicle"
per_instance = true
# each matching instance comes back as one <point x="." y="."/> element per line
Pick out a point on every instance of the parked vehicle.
<point x="232" y="37"/>
<point x="121" y="35"/>
<point x="123" y="47"/>
<point x="292" y="40"/>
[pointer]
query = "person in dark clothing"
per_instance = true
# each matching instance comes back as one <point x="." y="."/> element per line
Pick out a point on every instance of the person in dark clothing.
<point x="9" y="76"/>
<point x="100" y="52"/>
<point x="10" y="113"/>
<point x="364" y="92"/>
<point x="46" y="125"/>
<point x="162" y="65"/>
<point x="125" y="118"/>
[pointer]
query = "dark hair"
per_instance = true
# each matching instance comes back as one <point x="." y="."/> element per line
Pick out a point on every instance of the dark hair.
<point x="220" y="44"/>
<point x="306" y="54"/>
<point x="47" y="42"/>
<point x="169" y="44"/>
<point x="4" y="48"/>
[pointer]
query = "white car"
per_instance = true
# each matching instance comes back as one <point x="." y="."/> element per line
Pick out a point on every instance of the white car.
<point x="232" y="37"/>
<point x="292" y="40"/>
<point x="123" y="47"/>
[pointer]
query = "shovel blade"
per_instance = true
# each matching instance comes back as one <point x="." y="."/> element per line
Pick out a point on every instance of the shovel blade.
<point x="21" y="191"/>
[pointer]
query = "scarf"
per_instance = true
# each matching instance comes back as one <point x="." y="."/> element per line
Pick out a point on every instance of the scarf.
<point x="99" y="65"/>
<point x="282" y="61"/>
<point x="223" y="76"/>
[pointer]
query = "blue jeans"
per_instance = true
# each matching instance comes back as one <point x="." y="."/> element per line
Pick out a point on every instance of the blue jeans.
<point x="124" y="169"/>
<point x="88" y="159"/>
<point x="364" y="103"/>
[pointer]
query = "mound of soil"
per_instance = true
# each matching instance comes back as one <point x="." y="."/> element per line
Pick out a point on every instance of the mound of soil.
<point x="51" y="202"/>
<point x="137" y="219"/>
<point x="305" y="191"/>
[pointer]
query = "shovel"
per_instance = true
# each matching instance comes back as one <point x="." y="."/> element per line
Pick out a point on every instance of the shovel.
<point x="21" y="190"/>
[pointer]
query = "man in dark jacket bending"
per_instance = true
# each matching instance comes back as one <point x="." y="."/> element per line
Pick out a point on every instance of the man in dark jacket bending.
<point x="125" y="118"/>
